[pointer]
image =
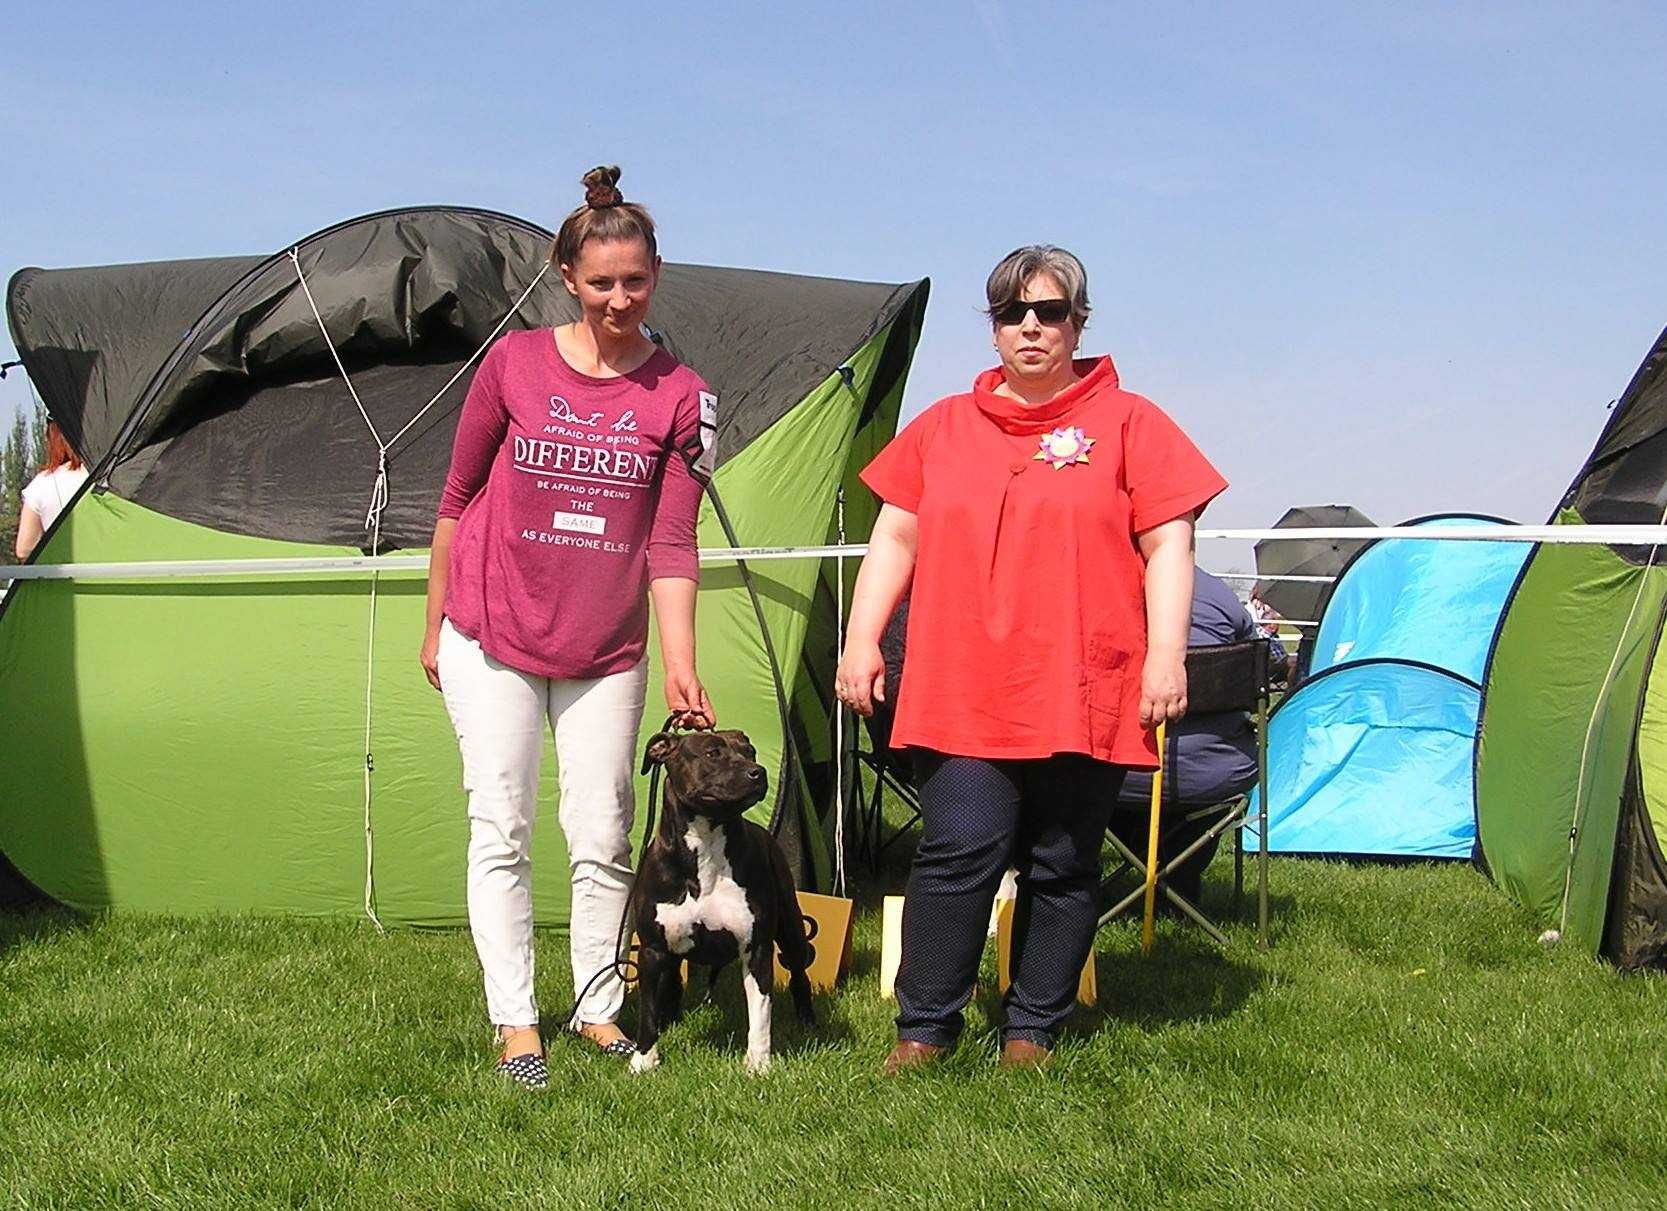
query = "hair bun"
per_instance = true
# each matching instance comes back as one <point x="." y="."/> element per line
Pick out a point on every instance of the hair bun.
<point x="601" y="190"/>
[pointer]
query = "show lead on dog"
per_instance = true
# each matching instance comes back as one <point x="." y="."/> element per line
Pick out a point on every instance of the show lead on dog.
<point x="570" y="501"/>
<point x="1046" y="521"/>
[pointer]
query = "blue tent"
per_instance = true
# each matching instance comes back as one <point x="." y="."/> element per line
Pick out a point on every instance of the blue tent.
<point x="1373" y="754"/>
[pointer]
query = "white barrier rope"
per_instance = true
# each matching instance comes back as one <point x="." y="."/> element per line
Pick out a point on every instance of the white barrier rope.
<point x="1270" y="576"/>
<point x="1611" y="536"/>
<point x="1624" y="535"/>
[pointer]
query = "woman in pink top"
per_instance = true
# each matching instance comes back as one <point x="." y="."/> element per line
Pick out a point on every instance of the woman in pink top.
<point x="570" y="501"/>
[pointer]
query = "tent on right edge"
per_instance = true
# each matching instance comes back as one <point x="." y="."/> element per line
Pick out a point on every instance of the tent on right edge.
<point x="1571" y="765"/>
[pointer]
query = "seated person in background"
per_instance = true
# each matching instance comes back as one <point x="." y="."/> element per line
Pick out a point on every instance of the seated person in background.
<point x="1210" y="759"/>
<point x="1281" y="668"/>
<point x="1266" y="617"/>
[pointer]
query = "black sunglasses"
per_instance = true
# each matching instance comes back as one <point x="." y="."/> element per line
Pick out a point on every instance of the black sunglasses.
<point x="1049" y="311"/>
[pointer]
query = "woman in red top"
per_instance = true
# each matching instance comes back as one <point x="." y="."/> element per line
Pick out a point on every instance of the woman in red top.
<point x="569" y="502"/>
<point x="1045" y="520"/>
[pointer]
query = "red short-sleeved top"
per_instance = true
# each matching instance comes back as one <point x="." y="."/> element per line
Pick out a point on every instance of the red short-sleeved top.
<point x="1027" y="620"/>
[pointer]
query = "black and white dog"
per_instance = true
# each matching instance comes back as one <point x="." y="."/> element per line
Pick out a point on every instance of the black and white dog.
<point x="713" y="887"/>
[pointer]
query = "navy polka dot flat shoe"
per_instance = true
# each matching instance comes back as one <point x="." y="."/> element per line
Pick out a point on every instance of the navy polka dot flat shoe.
<point x="528" y="1071"/>
<point x="621" y="1046"/>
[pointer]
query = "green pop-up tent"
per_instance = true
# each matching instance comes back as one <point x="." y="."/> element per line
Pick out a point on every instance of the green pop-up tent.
<point x="192" y="744"/>
<point x="1571" y="765"/>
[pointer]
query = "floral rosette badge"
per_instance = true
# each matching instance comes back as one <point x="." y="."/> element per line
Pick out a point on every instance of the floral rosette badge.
<point x="1064" y="448"/>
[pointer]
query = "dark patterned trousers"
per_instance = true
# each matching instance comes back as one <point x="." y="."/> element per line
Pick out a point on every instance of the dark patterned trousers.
<point x="1046" y="817"/>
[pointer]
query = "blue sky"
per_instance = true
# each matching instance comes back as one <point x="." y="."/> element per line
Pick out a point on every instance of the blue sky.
<point x="1397" y="256"/>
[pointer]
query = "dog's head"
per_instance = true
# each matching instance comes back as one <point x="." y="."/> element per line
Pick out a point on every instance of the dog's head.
<point x="711" y="774"/>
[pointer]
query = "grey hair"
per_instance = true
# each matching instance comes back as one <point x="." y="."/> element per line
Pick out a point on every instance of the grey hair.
<point x="1008" y="279"/>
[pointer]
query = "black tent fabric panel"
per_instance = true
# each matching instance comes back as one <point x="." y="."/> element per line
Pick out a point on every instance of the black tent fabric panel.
<point x="1624" y="481"/>
<point x="1642" y="408"/>
<point x="389" y="287"/>
<point x="899" y="350"/>
<point x="296" y="462"/>
<point x="91" y="339"/>
<point x="1635" y="928"/>
<point x="763" y="341"/>
<point x="393" y="285"/>
<point x="1629" y="488"/>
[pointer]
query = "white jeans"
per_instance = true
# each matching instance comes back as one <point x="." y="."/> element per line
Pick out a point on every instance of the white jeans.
<point x="499" y="714"/>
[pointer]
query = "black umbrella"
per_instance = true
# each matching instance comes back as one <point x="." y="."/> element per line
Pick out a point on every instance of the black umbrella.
<point x="1305" y="557"/>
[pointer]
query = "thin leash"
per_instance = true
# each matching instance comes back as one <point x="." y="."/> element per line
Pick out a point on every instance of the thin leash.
<point x="624" y="964"/>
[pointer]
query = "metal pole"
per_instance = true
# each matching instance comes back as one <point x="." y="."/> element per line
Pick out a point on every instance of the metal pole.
<point x="1146" y="926"/>
<point x="1262" y="823"/>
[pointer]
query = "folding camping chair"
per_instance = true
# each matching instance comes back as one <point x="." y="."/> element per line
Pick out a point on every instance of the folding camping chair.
<point x="1223" y="677"/>
<point x="890" y="767"/>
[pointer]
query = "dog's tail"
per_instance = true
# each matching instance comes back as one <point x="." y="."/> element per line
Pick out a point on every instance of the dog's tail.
<point x="793" y="936"/>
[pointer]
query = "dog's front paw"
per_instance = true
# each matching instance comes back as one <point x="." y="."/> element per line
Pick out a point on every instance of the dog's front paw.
<point x="758" y="1063"/>
<point x="645" y="1061"/>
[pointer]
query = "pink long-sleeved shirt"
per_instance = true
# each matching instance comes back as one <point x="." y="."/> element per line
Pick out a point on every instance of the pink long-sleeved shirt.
<point x="571" y="494"/>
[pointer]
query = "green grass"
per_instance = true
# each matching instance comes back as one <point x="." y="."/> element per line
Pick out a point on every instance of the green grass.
<point x="1406" y="1041"/>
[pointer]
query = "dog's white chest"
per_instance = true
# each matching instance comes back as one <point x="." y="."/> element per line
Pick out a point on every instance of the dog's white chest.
<point x="720" y="905"/>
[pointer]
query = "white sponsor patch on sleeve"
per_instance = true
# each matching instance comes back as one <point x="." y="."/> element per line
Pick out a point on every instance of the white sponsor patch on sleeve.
<point x="708" y="460"/>
<point x="581" y="523"/>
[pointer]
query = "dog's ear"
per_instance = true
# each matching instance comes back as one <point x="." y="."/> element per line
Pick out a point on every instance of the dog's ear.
<point x="660" y="746"/>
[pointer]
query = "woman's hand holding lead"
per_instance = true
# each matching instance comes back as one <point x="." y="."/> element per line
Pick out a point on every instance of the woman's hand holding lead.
<point x="686" y="698"/>
<point x="1163" y="689"/>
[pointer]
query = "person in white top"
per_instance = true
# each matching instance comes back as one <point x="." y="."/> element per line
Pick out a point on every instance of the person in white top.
<point x="49" y="493"/>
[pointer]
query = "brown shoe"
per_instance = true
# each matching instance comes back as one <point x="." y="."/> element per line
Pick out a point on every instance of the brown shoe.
<point x="1019" y="1053"/>
<point x="910" y="1054"/>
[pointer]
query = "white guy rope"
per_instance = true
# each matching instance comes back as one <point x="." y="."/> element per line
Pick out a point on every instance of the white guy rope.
<point x="370" y="679"/>
<point x="373" y="523"/>
<point x="379" y="492"/>
<point x="492" y="336"/>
